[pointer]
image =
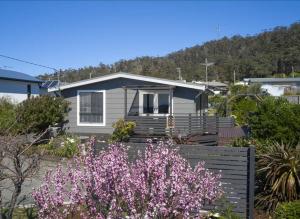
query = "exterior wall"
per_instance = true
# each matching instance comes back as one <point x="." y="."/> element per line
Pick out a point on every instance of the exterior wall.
<point x="17" y="90"/>
<point x="183" y="102"/>
<point x="279" y="88"/>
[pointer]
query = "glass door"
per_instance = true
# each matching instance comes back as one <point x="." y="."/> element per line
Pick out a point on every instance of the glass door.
<point x="154" y="103"/>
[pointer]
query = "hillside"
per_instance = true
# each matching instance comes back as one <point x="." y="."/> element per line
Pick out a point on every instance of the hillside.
<point x="271" y="52"/>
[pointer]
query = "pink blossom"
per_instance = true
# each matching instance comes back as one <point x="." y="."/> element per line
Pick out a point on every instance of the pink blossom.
<point x="159" y="183"/>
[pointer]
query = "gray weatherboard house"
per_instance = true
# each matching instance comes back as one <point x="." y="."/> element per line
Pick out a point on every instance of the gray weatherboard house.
<point x="18" y="86"/>
<point x="99" y="102"/>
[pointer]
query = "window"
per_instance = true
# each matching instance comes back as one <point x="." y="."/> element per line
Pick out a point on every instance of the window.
<point x="28" y="90"/>
<point x="163" y="103"/>
<point x="154" y="102"/>
<point x="91" y="108"/>
<point x="148" y="103"/>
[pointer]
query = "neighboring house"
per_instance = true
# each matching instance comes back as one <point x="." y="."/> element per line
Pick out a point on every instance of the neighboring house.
<point x="214" y="87"/>
<point x="277" y="86"/>
<point x="18" y="86"/>
<point x="99" y="102"/>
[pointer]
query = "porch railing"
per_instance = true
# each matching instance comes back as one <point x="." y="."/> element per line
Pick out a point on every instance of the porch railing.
<point x="183" y="124"/>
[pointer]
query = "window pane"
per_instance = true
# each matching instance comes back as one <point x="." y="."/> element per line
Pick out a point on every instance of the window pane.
<point x="148" y="103"/>
<point x="163" y="103"/>
<point x="91" y="107"/>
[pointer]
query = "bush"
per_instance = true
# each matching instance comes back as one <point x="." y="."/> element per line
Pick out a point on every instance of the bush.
<point x="38" y="113"/>
<point x="159" y="184"/>
<point x="278" y="174"/>
<point x="122" y="131"/>
<point x="276" y="120"/>
<point x="61" y="146"/>
<point x="7" y="115"/>
<point x="241" y="108"/>
<point x="288" y="210"/>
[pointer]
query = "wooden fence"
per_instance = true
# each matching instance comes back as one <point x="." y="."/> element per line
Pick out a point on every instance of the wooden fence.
<point x="237" y="166"/>
<point x="183" y="124"/>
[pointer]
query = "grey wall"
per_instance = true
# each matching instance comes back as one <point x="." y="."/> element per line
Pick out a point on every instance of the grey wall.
<point x="17" y="90"/>
<point x="183" y="103"/>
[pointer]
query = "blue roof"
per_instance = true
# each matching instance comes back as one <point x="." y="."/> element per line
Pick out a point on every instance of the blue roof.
<point x="17" y="76"/>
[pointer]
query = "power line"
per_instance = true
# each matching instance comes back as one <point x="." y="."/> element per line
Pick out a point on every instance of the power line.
<point x="31" y="63"/>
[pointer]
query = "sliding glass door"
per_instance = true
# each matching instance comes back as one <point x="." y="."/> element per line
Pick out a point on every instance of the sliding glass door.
<point x="154" y="103"/>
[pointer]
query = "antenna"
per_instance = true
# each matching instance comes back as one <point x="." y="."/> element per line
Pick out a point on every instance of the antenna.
<point x="179" y="74"/>
<point x="206" y="64"/>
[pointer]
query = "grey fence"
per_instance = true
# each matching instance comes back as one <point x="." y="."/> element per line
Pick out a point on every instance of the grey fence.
<point x="293" y="99"/>
<point x="237" y="166"/>
<point x="183" y="124"/>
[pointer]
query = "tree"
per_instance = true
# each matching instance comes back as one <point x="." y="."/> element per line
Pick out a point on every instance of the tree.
<point x="38" y="113"/>
<point x="263" y="55"/>
<point x="276" y="119"/>
<point x="16" y="165"/>
<point x="159" y="184"/>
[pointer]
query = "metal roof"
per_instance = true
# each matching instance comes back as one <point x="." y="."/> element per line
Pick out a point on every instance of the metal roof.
<point x="17" y="76"/>
<point x="271" y="80"/>
<point x="130" y="76"/>
<point x="212" y="83"/>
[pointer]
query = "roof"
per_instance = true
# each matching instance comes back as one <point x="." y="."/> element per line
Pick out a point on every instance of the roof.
<point x="271" y="80"/>
<point x="17" y="76"/>
<point x="129" y="76"/>
<point x="212" y="83"/>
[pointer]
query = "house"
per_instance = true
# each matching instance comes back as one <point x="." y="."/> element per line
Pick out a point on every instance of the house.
<point x="18" y="86"/>
<point x="215" y="87"/>
<point x="277" y="86"/>
<point x="99" y="102"/>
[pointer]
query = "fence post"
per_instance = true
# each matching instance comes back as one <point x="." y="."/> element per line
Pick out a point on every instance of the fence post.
<point x="204" y="122"/>
<point x="251" y="182"/>
<point x="125" y="102"/>
<point x="217" y="123"/>
<point x="190" y="123"/>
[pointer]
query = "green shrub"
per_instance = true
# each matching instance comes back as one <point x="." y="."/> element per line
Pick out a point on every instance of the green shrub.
<point x="241" y="108"/>
<point x="277" y="179"/>
<point x="7" y="114"/>
<point x="288" y="210"/>
<point x="61" y="146"/>
<point x="38" y="113"/>
<point x="122" y="131"/>
<point x="277" y="120"/>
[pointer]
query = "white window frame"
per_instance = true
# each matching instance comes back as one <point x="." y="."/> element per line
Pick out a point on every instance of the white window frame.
<point x="156" y="92"/>
<point x="78" y="108"/>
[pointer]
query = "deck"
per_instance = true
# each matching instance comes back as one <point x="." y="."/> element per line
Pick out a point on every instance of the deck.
<point x="199" y="129"/>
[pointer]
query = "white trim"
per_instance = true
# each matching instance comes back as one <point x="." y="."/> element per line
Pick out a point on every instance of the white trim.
<point x="104" y="109"/>
<point x="129" y="76"/>
<point x="155" y="102"/>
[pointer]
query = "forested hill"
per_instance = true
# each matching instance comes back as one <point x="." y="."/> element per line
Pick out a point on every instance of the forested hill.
<point x="271" y="52"/>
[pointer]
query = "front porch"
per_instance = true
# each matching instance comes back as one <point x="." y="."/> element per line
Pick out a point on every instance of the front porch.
<point x="154" y="116"/>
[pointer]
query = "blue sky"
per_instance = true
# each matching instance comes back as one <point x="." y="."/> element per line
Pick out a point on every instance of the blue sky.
<point x="81" y="33"/>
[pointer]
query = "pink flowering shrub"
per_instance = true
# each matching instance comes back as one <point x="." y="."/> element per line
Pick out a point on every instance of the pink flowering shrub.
<point x="159" y="184"/>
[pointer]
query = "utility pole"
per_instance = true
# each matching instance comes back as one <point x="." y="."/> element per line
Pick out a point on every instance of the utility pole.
<point x="179" y="74"/>
<point x="293" y="73"/>
<point x="206" y="64"/>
